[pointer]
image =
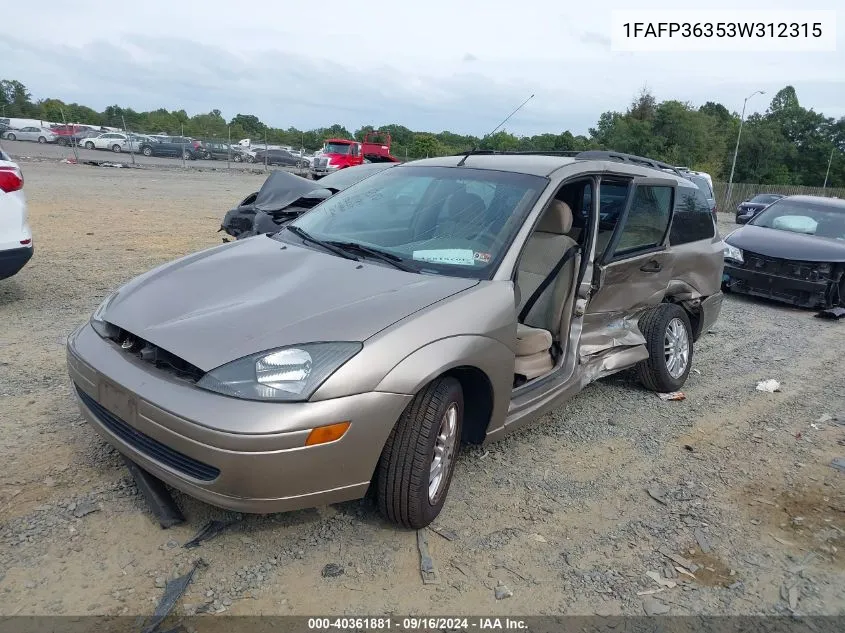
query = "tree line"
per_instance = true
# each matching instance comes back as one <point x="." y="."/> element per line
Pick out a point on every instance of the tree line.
<point x="786" y="145"/>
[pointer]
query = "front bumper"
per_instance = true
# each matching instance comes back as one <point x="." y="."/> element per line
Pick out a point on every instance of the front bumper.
<point x="798" y="292"/>
<point x="241" y="455"/>
<point x="12" y="260"/>
<point x="323" y="170"/>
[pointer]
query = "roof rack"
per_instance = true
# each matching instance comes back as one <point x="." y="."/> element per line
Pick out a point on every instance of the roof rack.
<point x="585" y="155"/>
<point x="497" y="152"/>
<point x="628" y="158"/>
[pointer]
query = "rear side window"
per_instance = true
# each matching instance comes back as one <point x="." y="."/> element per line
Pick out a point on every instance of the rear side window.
<point x="647" y="220"/>
<point x="693" y="220"/>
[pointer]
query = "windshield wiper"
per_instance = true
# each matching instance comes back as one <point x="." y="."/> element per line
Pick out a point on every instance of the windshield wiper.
<point x="307" y="237"/>
<point x="389" y="258"/>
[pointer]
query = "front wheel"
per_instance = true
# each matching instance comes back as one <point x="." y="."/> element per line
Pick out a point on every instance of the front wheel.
<point x="89" y="145"/>
<point x="42" y="140"/>
<point x="237" y="158"/>
<point x="147" y="151"/>
<point x="668" y="337"/>
<point x="418" y="459"/>
<point x="250" y="159"/>
<point x="11" y="137"/>
<point x="115" y="148"/>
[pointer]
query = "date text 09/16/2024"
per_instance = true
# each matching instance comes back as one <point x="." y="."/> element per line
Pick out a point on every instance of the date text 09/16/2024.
<point x="416" y="623"/>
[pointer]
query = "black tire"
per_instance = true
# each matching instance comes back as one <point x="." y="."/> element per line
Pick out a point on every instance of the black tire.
<point x="147" y="150"/>
<point x="402" y="475"/>
<point x="115" y="148"/>
<point x="62" y="141"/>
<point x="250" y="158"/>
<point x="42" y="139"/>
<point x="89" y="145"/>
<point x="11" y="137"/>
<point x="653" y="372"/>
<point x="237" y="158"/>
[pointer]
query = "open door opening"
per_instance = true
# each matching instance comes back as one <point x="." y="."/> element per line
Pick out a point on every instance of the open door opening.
<point x="547" y="278"/>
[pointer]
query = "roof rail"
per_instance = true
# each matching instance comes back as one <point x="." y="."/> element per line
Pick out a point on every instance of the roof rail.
<point x="627" y="158"/>
<point x="498" y="152"/>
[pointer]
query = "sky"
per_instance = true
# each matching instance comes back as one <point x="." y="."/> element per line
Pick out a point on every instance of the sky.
<point x="457" y="65"/>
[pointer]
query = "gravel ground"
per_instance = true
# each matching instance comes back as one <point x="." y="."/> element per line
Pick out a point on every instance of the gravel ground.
<point x="31" y="151"/>
<point x="603" y="507"/>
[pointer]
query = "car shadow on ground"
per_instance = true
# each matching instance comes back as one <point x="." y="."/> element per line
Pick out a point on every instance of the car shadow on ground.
<point x="10" y="291"/>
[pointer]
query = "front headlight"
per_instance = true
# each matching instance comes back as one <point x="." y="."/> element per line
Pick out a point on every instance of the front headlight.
<point x="733" y="253"/>
<point x="289" y="374"/>
<point x="106" y="330"/>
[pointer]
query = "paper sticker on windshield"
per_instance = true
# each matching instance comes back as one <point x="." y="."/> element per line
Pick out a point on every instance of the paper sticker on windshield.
<point x="483" y="258"/>
<point x="459" y="256"/>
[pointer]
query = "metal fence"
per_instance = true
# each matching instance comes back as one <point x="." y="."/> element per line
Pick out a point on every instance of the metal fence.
<point x="743" y="191"/>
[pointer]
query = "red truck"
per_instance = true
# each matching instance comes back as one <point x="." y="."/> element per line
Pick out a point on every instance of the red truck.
<point x="339" y="153"/>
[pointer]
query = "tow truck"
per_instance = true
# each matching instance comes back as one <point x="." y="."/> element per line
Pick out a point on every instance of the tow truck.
<point x="340" y="153"/>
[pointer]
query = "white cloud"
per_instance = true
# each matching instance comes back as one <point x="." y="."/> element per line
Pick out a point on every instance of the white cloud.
<point x="385" y="62"/>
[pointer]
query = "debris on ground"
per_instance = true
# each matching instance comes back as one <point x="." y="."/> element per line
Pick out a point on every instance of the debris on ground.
<point x="657" y="494"/>
<point x="831" y="313"/>
<point x="653" y="606"/>
<point x="502" y="591"/>
<point x="84" y="508"/>
<point x="209" y="531"/>
<point x="769" y="386"/>
<point x="702" y="541"/>
<point x="449" y="535"/>
<point x="680" y="560"/>
<point x="539" y="538"/>
<point x="673" y="395"/>
<point x="427" y="570"/>
<point x="794" y="594"/>
<point x="660" y="580"/>
<point x="172" y="592"/>
<point x="332" y="570"/>
<point x="839" y="464"/>
<point x="158" y="498"/>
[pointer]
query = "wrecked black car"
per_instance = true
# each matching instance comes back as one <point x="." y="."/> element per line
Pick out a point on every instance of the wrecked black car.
<point x="284" y="196"/>
<point x="793" y="251"/>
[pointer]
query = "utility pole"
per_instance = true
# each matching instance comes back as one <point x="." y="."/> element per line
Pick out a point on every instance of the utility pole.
<point x="129" y="138"/>
<point x="229" y="148"/>
<point x="829" y="161"/>
<point x="736" y="149"/>
<point x="182" y="139"/>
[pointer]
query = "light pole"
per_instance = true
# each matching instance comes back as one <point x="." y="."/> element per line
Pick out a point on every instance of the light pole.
<point x="736" y="149"/>
<point x="829" y="161"/>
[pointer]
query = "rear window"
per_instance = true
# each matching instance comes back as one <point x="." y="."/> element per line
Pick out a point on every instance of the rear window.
<point x="693" y="220"/>
<point x="702" y="184"/>
<point x="765" y="198"/>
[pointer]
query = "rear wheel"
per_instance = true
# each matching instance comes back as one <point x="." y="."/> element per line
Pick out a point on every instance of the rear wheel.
<point x="42" y="139"/>
<point x="115" y="148"/>
<point x="250" y="159"/>
<point x="668" y="336"/>
<point x="237" y="158"/>
<point x="62" y="141"/>
<point x="418" y="459"/>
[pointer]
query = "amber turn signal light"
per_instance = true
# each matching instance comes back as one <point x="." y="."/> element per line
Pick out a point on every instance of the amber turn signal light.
<point x="324" y="434"/>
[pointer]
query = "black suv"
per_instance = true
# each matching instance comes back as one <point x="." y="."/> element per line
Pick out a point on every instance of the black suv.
<point x="215" y="150"/>
<point x="171" y="146"/>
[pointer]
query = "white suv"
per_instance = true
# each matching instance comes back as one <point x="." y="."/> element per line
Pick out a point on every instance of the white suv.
<point x="15" y="234"/>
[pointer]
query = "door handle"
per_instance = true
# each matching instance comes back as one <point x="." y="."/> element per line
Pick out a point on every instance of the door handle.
<point x="652" y="267"/>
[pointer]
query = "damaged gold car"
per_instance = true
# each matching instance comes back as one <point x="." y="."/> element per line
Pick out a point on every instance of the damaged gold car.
<point x="442" y="300"/>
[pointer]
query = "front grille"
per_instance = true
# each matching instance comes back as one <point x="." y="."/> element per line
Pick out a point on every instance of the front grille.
<point x="806" y="271"/>
<point x="321" y="163"/>
<point x="156" y="356"/>
<point x="148" y="446"/>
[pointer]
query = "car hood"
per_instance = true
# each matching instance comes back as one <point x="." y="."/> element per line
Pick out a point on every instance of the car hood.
<point x="787" y="245"/>
<point x="257" y="294"/>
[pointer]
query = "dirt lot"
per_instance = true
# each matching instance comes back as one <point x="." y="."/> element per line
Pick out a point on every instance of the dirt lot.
<point x="572" y="515"/>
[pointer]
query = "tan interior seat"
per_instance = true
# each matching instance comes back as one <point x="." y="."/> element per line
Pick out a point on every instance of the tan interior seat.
<point x="550" y="313"/>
